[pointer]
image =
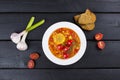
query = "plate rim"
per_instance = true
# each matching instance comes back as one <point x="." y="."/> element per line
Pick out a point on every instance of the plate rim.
<point x="75" y="58"/>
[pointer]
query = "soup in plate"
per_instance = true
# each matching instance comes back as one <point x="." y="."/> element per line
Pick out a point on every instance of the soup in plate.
<point x="64" y="43"/>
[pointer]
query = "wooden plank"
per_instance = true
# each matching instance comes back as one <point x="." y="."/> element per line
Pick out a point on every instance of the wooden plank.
<point x="59" y="5"/>
<point x="10" y="57"/>
<point x="16" y="22"/>
<point x="60" y="74"/>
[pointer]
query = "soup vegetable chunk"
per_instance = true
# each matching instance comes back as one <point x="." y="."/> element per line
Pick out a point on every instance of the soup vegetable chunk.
<point x="64" y="43"/>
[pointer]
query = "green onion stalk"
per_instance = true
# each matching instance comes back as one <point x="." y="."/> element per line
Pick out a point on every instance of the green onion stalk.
<point x="20" y="38"/>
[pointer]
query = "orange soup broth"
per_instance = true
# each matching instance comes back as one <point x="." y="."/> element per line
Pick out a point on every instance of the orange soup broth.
<point x="67" y="47"/>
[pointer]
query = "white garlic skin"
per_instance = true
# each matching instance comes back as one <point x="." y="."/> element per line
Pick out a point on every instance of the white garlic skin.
<point x="22" y="46"/>
<point x="15" y="37"/>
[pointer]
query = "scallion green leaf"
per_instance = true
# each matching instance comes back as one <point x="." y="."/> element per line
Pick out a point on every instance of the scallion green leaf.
<point x="36" y="25"/>
<point x="30" y="22"/>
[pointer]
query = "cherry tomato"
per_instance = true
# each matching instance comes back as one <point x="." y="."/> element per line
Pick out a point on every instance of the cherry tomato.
<point x="69" y="42"/>
<point x="65" y="55"/>
<point x="99" y="36"/>
<point x="34" y="56"/>
<point x="66" y="49"/>
<point x="31" y="64"/>
<point x="101" y="45"/>
<point x="60" y="47"/>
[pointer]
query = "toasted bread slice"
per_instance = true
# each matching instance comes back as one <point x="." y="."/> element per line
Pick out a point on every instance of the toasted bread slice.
<point x="76" y="17"/>
<point x="88" y="26"/>
<point x="87" y="17"/>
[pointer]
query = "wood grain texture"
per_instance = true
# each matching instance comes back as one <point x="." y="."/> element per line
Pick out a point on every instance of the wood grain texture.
<point x="94" y="65"/>
<point x="60" y="74"/>
<point x="108" y="24"/>
<point x="10" y="57"/>
<point x="59" y="5"/>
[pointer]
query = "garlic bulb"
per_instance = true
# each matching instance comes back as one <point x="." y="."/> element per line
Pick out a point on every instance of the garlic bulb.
<point x="22" y="45"/>
<point x="16" y="37"/>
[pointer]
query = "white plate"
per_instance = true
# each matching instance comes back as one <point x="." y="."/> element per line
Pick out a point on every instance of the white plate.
<point x="71" y="60"/>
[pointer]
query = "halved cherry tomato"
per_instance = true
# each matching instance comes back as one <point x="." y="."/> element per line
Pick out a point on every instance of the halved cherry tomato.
<point x="69" y="43"/>
<point x="101" y="45"/>
<point x="60" y="47"/>
<point x="34" y="56"/>
<point x="31" y="64"/>
<point x="65" y="55"/>
<point x="66" y="49"/>
<point x="99" y="36"/>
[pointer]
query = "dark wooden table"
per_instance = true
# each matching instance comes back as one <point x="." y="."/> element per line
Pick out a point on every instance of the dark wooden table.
<point x="94" y="65"/>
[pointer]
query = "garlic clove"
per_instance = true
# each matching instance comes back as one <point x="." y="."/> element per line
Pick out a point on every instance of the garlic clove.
<point x="15" y="37"/>
<point x="22" y="46"/>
